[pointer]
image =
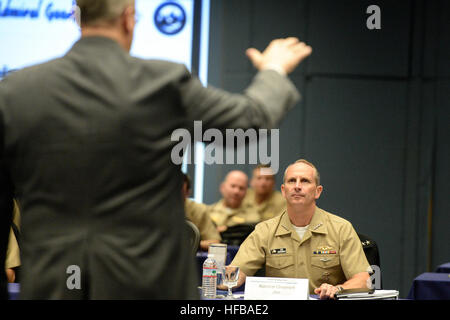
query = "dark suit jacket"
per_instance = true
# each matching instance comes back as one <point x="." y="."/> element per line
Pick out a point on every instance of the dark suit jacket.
<point x="86" y="146"/>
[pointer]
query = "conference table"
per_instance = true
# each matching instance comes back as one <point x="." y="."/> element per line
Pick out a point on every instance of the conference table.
<point x="431" y="286"/>
<point x="13" y="290"/>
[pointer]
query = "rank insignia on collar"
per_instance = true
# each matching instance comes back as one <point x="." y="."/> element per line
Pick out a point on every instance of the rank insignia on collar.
<point x="278" y="251"/>
<point x="317" y="226"/>
<point x="365" y="243"/>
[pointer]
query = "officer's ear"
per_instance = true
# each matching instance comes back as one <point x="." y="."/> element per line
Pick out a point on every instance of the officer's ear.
<point x="319" y="190"/>
<point x="282" y="190"/>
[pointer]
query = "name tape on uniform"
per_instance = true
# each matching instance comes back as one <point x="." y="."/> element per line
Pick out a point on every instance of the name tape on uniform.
<point x="278" y="251"/>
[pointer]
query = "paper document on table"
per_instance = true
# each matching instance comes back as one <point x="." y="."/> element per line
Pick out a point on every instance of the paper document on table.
<point x="376" y="295"/>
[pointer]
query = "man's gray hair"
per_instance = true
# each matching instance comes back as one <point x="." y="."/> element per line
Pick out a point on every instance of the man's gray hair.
<point x="316" y="175"/>
<point x="99" y="11"/>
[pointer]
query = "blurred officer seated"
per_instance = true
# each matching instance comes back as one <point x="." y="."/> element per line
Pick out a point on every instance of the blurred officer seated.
<point x="197" y="213"/>
<point x="231" y="210"/>
<point x="12" y="263"/>
<point x="262" y="195"/>
<point x="305" y="241"/>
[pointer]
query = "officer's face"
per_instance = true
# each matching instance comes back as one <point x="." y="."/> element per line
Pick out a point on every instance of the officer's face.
<point x="262" y="183"/>
<point x="233" y="189"/>
<point x="300" y="187"/>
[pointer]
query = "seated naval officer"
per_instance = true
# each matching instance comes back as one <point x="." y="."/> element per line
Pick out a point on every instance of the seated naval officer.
<point x="230" y="210"/>
<point x="12" y="263"/>
<point x="197" y="213"/>
<point x="262" y="195"/>
<point x="305" y="241"/>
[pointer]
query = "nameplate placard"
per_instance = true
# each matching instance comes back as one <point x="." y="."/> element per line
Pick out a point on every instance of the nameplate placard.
<point x="266" y="288"/>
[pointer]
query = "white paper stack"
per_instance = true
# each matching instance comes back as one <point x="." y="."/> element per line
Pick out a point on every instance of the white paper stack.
<point x="376" y="295"/>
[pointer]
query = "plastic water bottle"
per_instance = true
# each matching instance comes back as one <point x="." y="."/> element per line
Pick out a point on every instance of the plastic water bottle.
<point x="209" y="278"/>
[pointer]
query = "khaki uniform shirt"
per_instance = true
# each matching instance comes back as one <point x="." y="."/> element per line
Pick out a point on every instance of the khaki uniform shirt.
<point x="224" y="216"/>
<point x="198" y="214"/>
<point x="13" y="253"/>
<point x="330" y="251"/>
<point x="269" y="208"/>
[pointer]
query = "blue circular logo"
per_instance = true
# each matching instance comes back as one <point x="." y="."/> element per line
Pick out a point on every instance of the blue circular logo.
<point x="170" y="18"/>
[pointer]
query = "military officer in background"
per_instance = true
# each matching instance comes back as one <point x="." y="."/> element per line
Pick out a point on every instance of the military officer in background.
<point x="305" y="241"/>
<point x="12" y="263"/>
<point x="262" y="195"/>
<point x="231" y="210"/>
<point x="197" y="213"/>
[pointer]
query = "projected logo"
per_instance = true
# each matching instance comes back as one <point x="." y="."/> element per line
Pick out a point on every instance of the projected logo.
<point x="170" y="18"/>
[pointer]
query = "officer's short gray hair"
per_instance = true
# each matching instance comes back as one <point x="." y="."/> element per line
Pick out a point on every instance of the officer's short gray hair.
<point x="98" y="11"/>
<point x="317" y="174"/>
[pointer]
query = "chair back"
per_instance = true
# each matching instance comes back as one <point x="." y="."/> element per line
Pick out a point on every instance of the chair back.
<point x="235" y="235"/>
<point x="370" y="248"/>
<point x="194" y="236"/>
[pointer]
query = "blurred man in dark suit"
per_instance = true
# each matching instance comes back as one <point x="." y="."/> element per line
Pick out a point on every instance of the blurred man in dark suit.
<point x="85" y="146"/>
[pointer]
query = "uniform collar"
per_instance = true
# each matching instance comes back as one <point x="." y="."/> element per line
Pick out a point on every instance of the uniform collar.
<point x="251" y="194"/>
<point x="317" y="225"/>
<point x="285" y="225"/>
<point x="230" y="211"/>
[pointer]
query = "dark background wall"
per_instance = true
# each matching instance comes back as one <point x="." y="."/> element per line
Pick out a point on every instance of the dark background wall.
<point x="374" y="117"/>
